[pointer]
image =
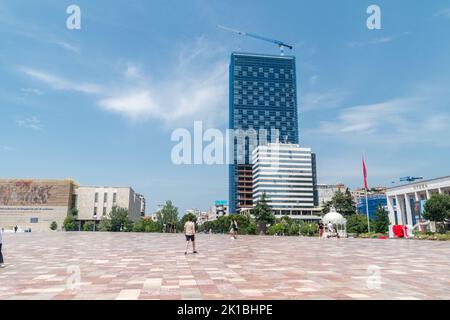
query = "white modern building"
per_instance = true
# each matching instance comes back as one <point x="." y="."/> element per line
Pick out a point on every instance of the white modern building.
<point x="405" y="203"/>
<point x="95" y="203"/>
<point x="284" y="172"/>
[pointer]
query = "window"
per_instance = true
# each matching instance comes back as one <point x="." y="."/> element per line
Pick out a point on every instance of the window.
<point x="105" y="197"/>
<point x="104" y="211"/>
<point x="96" y="197"/>
<point x="114" y="197"/>
<point x="34" y="220"/>
<point x="95" y="211"/>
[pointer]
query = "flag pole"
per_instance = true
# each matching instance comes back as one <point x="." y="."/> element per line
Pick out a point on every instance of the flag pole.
<point x="366" y="189"/>
<point x="367" y="212"/>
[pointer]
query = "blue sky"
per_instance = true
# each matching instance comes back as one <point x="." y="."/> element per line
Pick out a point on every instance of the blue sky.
<point x="99" y="104"/>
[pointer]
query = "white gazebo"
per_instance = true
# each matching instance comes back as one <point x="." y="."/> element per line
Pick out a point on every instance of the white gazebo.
<point x="337" y="220"/>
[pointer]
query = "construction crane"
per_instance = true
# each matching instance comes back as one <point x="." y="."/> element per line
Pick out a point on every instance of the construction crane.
<point x="410" y="179"/>
<point x="280" y="44"/>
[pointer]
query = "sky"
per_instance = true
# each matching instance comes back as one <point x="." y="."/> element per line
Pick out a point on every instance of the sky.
<point x="99" y="104"/>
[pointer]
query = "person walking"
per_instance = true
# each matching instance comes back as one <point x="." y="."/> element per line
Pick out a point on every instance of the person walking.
<point x="2" y="265"/>
<point x="320" y="228"/>
<point x="15" y="229"/>
<point x="233" y="229"/>
<point x="189" y="232"/>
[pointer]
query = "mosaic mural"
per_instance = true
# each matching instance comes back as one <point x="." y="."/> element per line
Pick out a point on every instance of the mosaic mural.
<point x="33" y="192"/>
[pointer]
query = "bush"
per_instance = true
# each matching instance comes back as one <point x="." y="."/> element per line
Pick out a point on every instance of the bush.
<point x="357" y="223"/>
<point x="88" y="226"/>
<point x="53" y="226"/>
<point x="104" y="225"/>
<point x="294" y="229"/>
<point x="308" y="229"/>
<point x="277" y="229"/>
<point x="145" y="225"/>
<point x="70" y="224"/>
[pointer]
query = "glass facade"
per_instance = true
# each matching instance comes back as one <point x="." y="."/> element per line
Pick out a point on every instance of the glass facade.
<point x="263" y="95"/>
<point x="373" y="202"/>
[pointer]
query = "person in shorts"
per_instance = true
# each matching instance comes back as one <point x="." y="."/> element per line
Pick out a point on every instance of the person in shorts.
<point x="189" y="232"/>
<point x="320" y="228"/>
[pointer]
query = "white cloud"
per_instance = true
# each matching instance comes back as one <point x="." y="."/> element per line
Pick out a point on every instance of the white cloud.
<point x="194" y="88"/>
<point x="443" y="13"/>
<point x="32" y="91"/>
<point x="67" y="46"/>
<point x="318" y="100"/>
<point x="375" y="41"/>
<point x="368" y="119"/>
<point x="394" y="122"/>
<point x="30" y="123"/>
<point x="6" y="148"/>
<point x="60" y="83"/>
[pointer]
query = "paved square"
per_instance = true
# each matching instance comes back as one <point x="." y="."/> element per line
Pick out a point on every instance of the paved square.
<point x="153" y="266"/>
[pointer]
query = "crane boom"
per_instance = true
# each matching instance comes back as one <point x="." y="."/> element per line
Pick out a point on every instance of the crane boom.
<point x="280" y="44"/>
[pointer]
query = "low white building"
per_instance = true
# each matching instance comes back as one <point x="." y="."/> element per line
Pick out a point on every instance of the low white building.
<point x="405" y="203"/>
<point x="284" y="172"/>
<point x="95" y="203"/>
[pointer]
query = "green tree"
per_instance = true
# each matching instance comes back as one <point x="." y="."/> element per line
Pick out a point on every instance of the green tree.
<point x="294" y="229"/>
<point x="357" y="223"/>
<point x="53" y="226"/>
<point x="277" y="229"/>
<point x="263" y="213"/>
<point x="342" y="202"/>
<point x="185" y="218"/>
<point x="437" y="208"/>
<point x="381" y="221"/>
<point x="307" y="229"/>
<point x="167" y="215"/>
<point x="70" y="223"/>
<point x="88" y="226"/>
<point x="145" y="225"/>
<point x="119" y="220"/>
<point x="104" y="225"/>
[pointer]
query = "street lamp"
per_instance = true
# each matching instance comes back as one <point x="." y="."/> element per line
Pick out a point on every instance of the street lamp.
<point x="95" y="220"/>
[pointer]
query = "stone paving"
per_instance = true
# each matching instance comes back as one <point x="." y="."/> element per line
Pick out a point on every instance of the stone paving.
<point x="153" y="266"/>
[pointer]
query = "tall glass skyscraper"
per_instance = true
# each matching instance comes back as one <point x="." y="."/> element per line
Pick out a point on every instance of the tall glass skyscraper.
<point x="263" y="95"/>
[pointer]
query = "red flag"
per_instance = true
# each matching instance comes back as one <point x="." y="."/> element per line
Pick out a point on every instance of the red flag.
<point x="365" y="174"/>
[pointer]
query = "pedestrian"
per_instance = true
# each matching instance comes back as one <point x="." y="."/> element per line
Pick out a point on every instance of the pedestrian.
<point x="15" y="229"/>
<point x="330" y="229"/>
<point x="189" y="232"/>
<point x="320" y="228"/>
<point x="233" y="229"/>
<point x="2" y="265"/>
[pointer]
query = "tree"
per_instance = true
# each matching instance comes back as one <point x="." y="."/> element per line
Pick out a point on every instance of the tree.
<point x="357" y="223"/>
<point x="437" y="208"/>
<point x="70" y="223"/>
<point x="263" y="213"/>
<point x="88" y="226"/>
<point x="342" y="202"/>
<point x="104" y="225"/>
<point x="185" y="219"/>
<point x="167" y="215"/>
<point x="277" y="229"/>
<point x="119" y="220"/>
<point x="145" y="225"/>
<point x="53" y="226"/>
<point x="307" y="229"/>
<point x="381" y="222"/>
<point x="294" y="229"/>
